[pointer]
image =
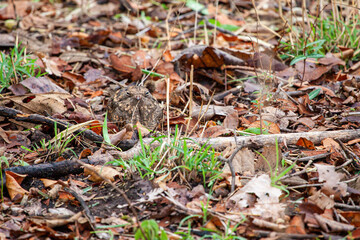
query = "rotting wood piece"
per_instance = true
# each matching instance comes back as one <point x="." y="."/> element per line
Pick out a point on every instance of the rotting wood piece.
<point x="254" y="141"/>
<point x="39" y="119"/>
<point x="49" y="170"/>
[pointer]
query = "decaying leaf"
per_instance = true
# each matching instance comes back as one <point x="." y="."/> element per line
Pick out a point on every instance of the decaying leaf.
<point x="243" y="162"/>
<point x="105" y="171"/>
<point x="267" y="205"/>
<point x="332" y="185"/>
<point x="13" y="182"/>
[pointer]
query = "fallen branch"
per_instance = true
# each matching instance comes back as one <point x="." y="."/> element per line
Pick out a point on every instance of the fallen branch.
<point x="39" y="119"/>
<point x="254" y="141"/>
<point x="53" y="170"/>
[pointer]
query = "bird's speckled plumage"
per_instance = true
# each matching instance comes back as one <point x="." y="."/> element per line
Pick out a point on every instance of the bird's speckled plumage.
<point x="134" y="104"/>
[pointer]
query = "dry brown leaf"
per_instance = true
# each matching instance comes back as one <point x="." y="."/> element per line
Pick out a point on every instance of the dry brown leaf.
<point x="48" y="182"/>
<point x="332" y="226"/>
<point x="268" y="126"/>
<point x="105" y="171"/>
<point x="201" y="56"/>
<point x="41" y="85"/>
<point x="243" y="162"/>
<point x="231" y="120"/>
<point x="307" y="122"/>
<point x="212" y="110"/>
<point x="321" y="200"/>
<point x="124" y="63"/>
<point x="44" y="104"/>
<point x="269" y="153"/>
<point x="267" y="205"/>
<point x="215" y="131"/>
<point x="13" y="181"/>
<point x="296" y="226"/>
<point x="330" y="144"/>
<point x="303" y="142"/>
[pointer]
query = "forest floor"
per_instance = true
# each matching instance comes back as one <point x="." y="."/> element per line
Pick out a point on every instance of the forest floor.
<point x="247" y="128"/>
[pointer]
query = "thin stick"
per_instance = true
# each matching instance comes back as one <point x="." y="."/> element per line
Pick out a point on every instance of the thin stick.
<point x="216" y="13"/>
<point x="195" y="27"/>
<point x="167" y="107"/>
<point x="190" y="97"/>
<point x="168" y="30"/>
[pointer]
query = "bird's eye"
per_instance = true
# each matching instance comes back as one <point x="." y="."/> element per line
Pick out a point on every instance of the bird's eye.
<point x="147" y="93"/>
<point x="128" y="93"/>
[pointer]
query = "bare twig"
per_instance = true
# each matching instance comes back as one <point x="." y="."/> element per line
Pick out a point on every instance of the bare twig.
<point x="347" y="207"/>
<point x="311" y="158"/>
<point x="84" y="206"/>
<point x="230" y="160"/>
<point x="36" y="118"/>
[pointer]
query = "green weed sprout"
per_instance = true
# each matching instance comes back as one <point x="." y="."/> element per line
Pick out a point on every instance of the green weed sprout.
<point x="149" y="162"/>
<point x="275" y="175"/>
<point x="151" y="230"/>
<point x="15" y="66"/>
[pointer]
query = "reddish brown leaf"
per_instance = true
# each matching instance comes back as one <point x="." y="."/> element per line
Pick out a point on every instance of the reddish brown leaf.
<point x="13" y="182"/>
<point x="303" y="142"/>
<point x="271" y="127"/>
<point x="75" y="78"/>
<point x="96" y="127"/>
<point x="353" y="217"/>
<point x="123" y="63"/>
<point x="307" y="122"/>
<point x="296" y="226"/>
<point x="215" y="131"/>
<point x="85" y="153"/>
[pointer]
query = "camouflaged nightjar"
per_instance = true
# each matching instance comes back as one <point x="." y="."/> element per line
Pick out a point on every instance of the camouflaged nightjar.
<point x="134" y="104"/>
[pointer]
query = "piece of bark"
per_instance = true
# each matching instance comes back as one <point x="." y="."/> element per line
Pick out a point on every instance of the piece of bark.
<point x="254" y="141"/>
<point x="50" y="170"/>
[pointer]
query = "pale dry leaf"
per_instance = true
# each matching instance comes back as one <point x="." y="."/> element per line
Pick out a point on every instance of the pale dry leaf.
<point x="332" y="184"/>
<point x="105" y="171"/>
<point x="267" y="205"/>
<point x="114" y="221"/>
<point x="278" y="116"/>
<point x="330" y="144"/>
<point x="61" y="212"/>
<point x="60" y="221"/>
<point x="334" y="226"/>
<point x="242" y="162"/>
<point x="79" y="191"/>
<point x="41" y="85"/>
<point x="231" y="120"/>
<point x="211" y="111"/>
<point x="34" y="209"/>
<point x="119" y="136"/>
<point x="48" y="182"/>
<point x="322" y="200"/>
<point x="45" y="103"/>
<point x="265" y="224"/>
<point x="101" y="156"/>
<point x="54" y="192"/>
<point x="51" y="67"/>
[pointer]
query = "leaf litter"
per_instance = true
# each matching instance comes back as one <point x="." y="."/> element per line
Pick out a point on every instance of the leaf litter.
<point x="216" y="71"/>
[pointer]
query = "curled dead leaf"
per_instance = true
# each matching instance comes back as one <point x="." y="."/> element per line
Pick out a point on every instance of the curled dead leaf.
<point x="104" y="171"/>
<point x="13" y="181"/>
